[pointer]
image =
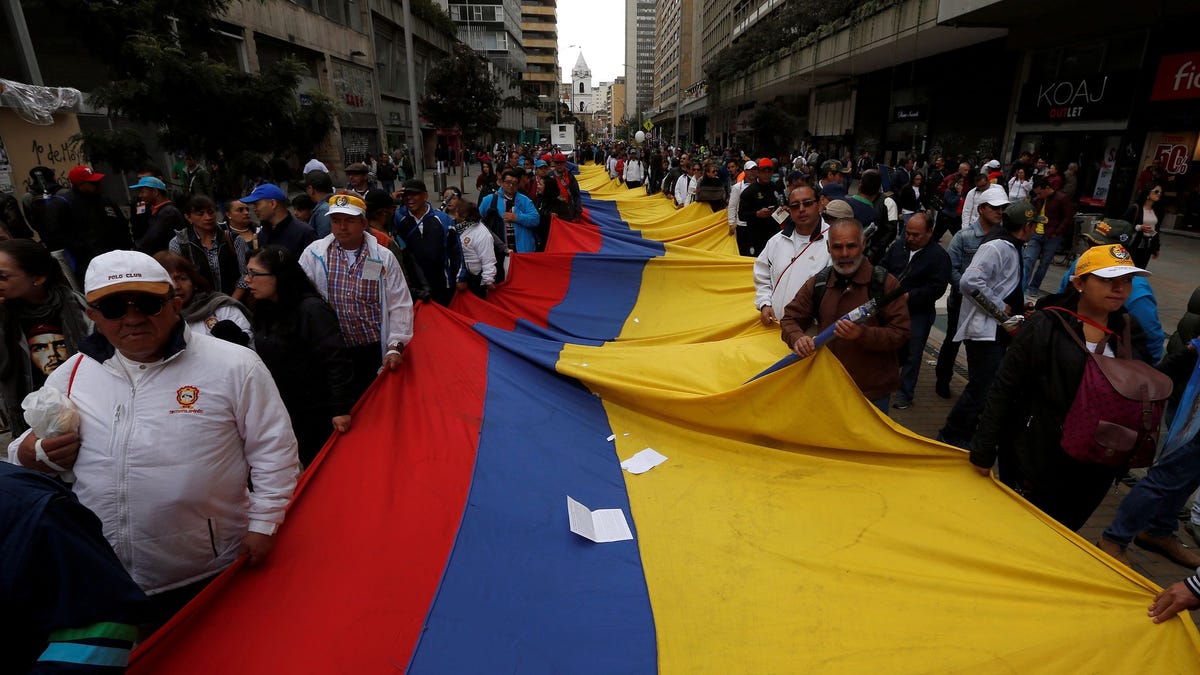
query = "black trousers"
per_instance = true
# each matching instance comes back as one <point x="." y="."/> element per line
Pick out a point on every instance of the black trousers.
<point x="949" y="351"/>
<point x="366" y="360"/>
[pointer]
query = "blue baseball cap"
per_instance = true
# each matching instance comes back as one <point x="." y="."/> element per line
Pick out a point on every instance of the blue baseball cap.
<point x="264" y="191"/>
<point x="539" y="164"/>
<point x="150" y="182"/>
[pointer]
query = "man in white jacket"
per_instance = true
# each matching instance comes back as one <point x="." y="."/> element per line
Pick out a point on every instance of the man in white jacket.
<point x="794" y="255"/>
<point x="635" y="173"/>
<point x="749" y="175"/>
<point x="172" y="422"/>
<point x="362" y="280"/>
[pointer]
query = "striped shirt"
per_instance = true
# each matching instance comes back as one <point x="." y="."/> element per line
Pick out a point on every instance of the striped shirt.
<point x="355" y="295"/>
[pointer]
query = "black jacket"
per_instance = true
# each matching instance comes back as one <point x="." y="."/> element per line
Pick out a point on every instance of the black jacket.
<point x="227" y="259"/>
<point x="303" y="349"/>
<point x="1033" y="391"/>
<point x="908" y="200"/>
<point x="162" y="225"/>
<point x="925" y="276"/>
<point x="294" y="235"/>
<point x="1135" y="215"/>
<point x="757" y="196"/>
<point x="85" y="225"/>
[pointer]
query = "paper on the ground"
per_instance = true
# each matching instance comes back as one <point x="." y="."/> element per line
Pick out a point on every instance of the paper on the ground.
<point x="601" y="526"/>
<point x="643" y="461"/>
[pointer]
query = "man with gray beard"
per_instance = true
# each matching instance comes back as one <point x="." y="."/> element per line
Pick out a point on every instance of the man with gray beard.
<point x="868" y="350"/>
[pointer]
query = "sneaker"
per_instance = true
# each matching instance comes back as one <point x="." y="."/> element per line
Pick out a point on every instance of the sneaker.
<point x="1170" y="548"/>
<point x="942" y="389"/>
<point x="902" y="404"/>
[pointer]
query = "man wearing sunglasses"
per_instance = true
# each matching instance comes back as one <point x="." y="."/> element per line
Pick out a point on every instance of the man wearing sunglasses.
<point x="172" y="423"/>
<point x="792" y="256"/>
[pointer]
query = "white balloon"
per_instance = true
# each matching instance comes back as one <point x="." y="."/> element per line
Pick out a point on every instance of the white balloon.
<point x="640" y="136"/>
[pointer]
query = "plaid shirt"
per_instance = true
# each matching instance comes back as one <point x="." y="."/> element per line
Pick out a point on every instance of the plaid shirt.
<point x="354" y="299"/>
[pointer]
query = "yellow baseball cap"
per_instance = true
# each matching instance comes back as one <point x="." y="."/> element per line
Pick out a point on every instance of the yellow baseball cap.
<point x="1108" y="262"/>
<point x="348" y="204"/>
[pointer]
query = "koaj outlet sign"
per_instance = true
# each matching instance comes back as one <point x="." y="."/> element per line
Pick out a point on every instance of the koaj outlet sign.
<point x="1178" y="78"/>
<point x="1076" y="99"/>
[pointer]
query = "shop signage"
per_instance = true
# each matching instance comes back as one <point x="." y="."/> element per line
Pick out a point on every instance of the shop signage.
<point x="1077" y="99"/>
<point x="1178" y="77"/>
<point x="909" y="113"/>
<point x="1174" y="157"/>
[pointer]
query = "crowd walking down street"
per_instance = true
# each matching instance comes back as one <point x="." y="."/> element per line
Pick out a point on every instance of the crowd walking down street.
<point x="265" y="317"/>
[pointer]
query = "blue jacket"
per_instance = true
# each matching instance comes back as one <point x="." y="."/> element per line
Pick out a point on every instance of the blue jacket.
<point x="440" y="258"/>
<point x="1143" y="306"/>
<point x="527" y="220"/>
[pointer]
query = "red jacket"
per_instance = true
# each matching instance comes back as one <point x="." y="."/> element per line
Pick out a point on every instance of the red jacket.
<point x="1060" y="213"/>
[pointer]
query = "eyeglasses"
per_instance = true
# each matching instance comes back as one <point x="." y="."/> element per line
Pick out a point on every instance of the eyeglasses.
<point x="805" y="203"/>
<point x="254" y="274"/>
<point x="1156" y="191"/>
<point x="116" y="307"/>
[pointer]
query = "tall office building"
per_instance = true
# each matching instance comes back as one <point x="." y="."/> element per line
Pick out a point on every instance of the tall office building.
<point x="640" y="46"/>
<point x="539" y="28"/>
<point x="492" y="28"/>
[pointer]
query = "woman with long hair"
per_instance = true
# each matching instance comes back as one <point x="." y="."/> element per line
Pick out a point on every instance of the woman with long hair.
<point x="296" y="333"/>
<point x="913" y="198"/>
<point x="43" y="321"/>
<point x="1019" y="186"/>
<point x="485" y="182"/>
<point x="206" y="310"/>
<point x="1146" y="214"/>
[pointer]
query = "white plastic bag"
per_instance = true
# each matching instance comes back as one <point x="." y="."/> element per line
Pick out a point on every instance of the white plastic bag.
<point x="50" y="413"/>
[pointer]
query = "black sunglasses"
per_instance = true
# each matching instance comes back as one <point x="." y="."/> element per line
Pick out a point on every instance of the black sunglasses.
<point x="115" y="307"/>
<point x="806" y="203"/>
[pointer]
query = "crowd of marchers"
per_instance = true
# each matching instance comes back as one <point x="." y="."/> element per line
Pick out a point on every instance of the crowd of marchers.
<point x="1067" y="389"/>
<point x="251" y="324"/>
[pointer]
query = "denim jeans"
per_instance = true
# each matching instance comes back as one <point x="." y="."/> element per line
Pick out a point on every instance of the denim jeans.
<point x="883" y="404"/>
<point x="983" y="360"/>
<point x="1038" y="252"/>
<point x="911" y="368"/>
<point x="1154" y="502"/>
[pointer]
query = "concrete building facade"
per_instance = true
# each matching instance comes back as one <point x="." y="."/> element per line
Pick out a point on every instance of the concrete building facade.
<point x="539" y="28"/>
<point x="641" y="22"/>
<point x="493" y="29"/>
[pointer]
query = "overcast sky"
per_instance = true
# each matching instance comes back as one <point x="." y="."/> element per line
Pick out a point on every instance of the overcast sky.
<point x="598" y="26"/>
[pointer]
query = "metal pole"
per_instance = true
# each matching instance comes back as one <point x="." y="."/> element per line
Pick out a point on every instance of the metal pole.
<point x="414" y="112"/>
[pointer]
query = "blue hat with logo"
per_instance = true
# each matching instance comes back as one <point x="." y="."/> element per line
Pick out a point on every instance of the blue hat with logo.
<point x="150" y="182"/>
<point x="539" y="164"/>
<point x="264" y="191"/>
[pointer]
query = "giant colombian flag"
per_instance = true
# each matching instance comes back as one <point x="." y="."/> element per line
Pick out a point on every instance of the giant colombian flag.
<point x="792" y="529"/>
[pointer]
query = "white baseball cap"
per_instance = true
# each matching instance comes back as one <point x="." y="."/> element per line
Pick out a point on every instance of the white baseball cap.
<point x="994" y="196"/>
<point x="125" y="272"/>
<point x="994" y="164"/>
<point x="749" y="165"/>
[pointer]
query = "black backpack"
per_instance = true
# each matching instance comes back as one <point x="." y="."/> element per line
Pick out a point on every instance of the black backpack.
<point x="821" y="282"/>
